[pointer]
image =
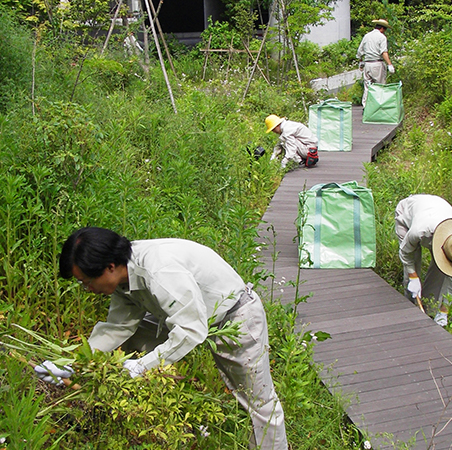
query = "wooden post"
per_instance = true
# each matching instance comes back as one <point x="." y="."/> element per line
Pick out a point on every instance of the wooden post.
<point x="159" y="51"/>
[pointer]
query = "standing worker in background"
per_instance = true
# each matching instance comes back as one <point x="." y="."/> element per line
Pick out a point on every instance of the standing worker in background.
<point x="163" y="293"/>
<point x="296" y="141"/>
<point x="373" y="51"/>
<point x="424" y="220"/>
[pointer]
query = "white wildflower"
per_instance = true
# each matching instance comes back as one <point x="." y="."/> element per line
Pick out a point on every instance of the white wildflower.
<point x="367" y="445"/>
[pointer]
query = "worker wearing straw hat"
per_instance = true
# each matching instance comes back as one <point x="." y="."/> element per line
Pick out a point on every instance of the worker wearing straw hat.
<point x="424" y="220"/>
<point x="373" y="52"/>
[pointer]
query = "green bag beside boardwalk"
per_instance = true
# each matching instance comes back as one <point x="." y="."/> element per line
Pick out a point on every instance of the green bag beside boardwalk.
<point x="384" y="104"/>
<point x="331" y="121"/>
<point x="339" y="227"/>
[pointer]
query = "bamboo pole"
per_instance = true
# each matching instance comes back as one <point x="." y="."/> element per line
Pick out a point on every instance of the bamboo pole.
<point x="112" y="25"/>
<point x="159" y="51"/>
<point x="257" y="65"/>
<point x="206" y="58"/>
<point x="294" y="56"/>
<point x="289" y="38"/>
<point x="258" y="56"/>
<point x="229" y="58"/>
<point x="157" y="21"/>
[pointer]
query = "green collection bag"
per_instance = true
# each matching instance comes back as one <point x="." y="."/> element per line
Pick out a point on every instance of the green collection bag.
<point x="337" y="228"/>
<point x="384" y="104"/>
<point x="331" y="121"/>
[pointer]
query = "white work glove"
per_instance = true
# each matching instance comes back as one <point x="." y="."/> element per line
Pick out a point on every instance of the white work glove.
<point x="391" y="68"/>
<point x="50" y="373"/>
<point x="134" y="366"/>
<point x="414" y="286"/>
<point x="441" y="319"/>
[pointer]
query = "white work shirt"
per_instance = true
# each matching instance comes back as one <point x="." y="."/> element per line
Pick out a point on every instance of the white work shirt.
<point x="294" y="140"/>
<point x="421" y="214"/>
<point x="372" y="46"/>
<point x="181" y="283"/>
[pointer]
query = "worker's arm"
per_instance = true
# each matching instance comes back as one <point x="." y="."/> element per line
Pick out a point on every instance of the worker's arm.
<point x="408" y="247"/>
<point x="388" y="62"/>
<point x="123" y="319"/>
<point x="277" y="149"/>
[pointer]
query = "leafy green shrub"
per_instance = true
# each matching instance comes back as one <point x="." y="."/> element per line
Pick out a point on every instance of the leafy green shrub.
<point x="220" y="35"/>
<point x="71" y="140"/>
<point x="15" y="60"/>
<point x="425" y="68"/>
<point x="109" y="74"/>
<point x="339" y="55"/>
<point x="444" y="111"/>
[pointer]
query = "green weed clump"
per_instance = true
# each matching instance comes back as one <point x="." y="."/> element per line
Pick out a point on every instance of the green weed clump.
<point x="16" y="49"/>
<point x="184" y="405"/>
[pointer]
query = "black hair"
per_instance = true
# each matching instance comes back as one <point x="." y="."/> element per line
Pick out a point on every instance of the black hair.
<point x="92" y="249"/>
<point x="379" y="27"/>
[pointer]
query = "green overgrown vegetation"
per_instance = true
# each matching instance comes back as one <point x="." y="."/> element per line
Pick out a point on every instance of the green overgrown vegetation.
<point x="89" y="137"/>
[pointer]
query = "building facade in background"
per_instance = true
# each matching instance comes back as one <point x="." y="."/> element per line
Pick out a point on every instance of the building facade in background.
<point x="186" y="19"/>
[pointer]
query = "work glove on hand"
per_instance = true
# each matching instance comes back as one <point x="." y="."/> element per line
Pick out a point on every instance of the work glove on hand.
<point x="134" y="366"/>
<point x="441" y="319"/>
<point x="50" y="373"/>
<point x="361" y="65"/>
<point x="414" y="286"/>
<point x="391" y="68"/>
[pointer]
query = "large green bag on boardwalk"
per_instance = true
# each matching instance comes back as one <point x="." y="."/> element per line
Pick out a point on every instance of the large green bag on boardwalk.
<point x="384" y="104"/>
<point x="336" y="226"/>
<point x="331" y="122"/>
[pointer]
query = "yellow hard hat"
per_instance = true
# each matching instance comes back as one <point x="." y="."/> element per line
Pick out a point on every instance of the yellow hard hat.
<point x="272" y="121"/>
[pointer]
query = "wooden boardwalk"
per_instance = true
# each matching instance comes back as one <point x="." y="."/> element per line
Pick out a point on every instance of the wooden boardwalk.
<point x="390" y="360"/>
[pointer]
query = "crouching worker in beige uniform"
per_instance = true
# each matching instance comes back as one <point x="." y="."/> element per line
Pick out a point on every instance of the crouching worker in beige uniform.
<point x="424" y="220"/>
<point x="163" y="292"/>
<point x="296" y="141"/>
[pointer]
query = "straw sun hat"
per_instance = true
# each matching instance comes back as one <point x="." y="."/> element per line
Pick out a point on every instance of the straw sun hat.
<point x="382" y="22"/>
<point x="442" y="246"/>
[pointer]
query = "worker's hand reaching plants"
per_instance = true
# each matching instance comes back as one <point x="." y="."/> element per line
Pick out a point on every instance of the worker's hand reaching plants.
<point x="50" y="373"/>
<point x="391" y="68"/>
<point x="414" y="286"/>
<point x="134" y="366"/>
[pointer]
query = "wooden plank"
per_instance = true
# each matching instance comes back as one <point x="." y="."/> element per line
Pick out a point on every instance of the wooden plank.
<point x="388" y="357"/>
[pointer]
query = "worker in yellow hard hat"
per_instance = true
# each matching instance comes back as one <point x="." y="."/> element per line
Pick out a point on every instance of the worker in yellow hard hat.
<point x="296" y="141"/>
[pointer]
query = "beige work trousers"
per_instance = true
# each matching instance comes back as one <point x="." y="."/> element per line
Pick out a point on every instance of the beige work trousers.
<point x="374" y="72"/>
<point x="244" y="369"/>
